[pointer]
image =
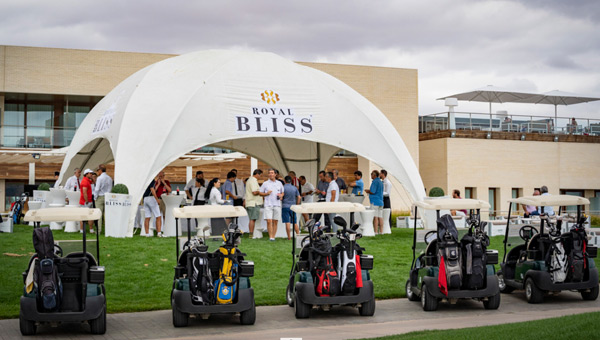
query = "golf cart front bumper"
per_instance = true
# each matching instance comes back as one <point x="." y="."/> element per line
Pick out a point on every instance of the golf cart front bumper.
<point x="543" y="281"/>
<point x="94" y="305"/>
<point x="306" y="292"/>
<point x="490" y="289"/>
<point x="182" y="300"/>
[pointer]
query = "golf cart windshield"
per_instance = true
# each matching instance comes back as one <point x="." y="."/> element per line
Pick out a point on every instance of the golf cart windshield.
<point x="63" y="214"/>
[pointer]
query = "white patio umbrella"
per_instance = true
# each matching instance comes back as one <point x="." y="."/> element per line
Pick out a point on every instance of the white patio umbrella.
<point x="491" y="94"/>
<point x="556" y="98"/>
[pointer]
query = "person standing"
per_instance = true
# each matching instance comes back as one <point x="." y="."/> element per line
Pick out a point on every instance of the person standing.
<point x="291" y="196"/>
<point x="274" y="194"/>
<point x="295" y="180"/>
<point x="73" y="183"/>
<point x="387" y="190"/>
<point x="152" y="208"/>
<point x="322" y="186"/>
<point x="86" y="196"/>
<point x="332" y="195"/>
<point x="230" y="191"/>
<point x="213" y="193"/>
<point x="306" y="191"/>
<point x="162" y="186"/>
<point x="239" y="189"/>
<point x="104" y="185"/>
<point x="56" y="182"/>
<point x="358" y="186"/>
<point x="339" y="181"/>
<point x="192" y="186"/>
<point x="254" y="199"/>
<point x="376" y="198"/>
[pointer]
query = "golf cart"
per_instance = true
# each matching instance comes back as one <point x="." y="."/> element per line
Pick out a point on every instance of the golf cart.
<point x="549" y="260"/>
<point x="59" y="288"/>
<point x="449" y="268"/>
<point x="324" y="275"/>
<point x="207" y="283"/>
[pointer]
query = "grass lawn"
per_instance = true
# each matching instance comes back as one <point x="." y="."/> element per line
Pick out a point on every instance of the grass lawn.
<point x="566" y="327"/>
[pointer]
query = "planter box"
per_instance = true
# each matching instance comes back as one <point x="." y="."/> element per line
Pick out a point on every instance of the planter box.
<point x="117" y="210"/>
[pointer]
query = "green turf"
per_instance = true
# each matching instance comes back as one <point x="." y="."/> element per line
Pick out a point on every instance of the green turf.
<point x="566" y="327"/>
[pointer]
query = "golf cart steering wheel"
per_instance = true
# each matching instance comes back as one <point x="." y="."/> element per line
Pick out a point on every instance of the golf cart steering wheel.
<point x="531" y="230"/>
<point x="428" y="234"/>
<point x="58" y="250"/>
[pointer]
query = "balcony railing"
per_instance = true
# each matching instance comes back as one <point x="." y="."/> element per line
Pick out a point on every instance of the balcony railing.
<point x="508" y="123"/>
<point x="18" y="136"/>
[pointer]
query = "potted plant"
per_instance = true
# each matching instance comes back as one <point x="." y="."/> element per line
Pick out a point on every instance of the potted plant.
<point x="117" y="206"/>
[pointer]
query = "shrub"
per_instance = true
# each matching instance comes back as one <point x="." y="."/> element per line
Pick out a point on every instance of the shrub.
<point x="44" y="187"/>
<point x="436" y="192"/>
<point x="120" y="189"/>
<point x="595" y="221"/>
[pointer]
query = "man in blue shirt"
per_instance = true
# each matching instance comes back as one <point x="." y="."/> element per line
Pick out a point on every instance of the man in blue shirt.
<point x="291" y="196"/>
<point x="358" y="186"/>
<point x="376" y="197"/>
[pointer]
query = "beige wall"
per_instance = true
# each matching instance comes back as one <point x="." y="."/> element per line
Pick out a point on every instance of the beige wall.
<point x="507" y="164"/>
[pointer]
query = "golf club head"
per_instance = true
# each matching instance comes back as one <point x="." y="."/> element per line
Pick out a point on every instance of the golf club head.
<point x="339" y="220"/>
<point x="355" y="226"/>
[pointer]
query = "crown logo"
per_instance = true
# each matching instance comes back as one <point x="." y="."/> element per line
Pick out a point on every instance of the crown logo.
<point x="270" y="97"/>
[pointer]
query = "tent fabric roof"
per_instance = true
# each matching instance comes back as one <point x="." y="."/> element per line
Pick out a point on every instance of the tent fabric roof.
<point x="235" y="99"/>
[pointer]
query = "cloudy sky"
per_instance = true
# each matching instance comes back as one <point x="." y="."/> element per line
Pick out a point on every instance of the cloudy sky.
<point x="456" y="45"/>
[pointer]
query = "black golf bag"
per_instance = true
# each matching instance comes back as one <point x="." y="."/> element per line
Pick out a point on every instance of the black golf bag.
<point x="449" y="251"/>
<point x="474" y="245"/>
<point x="575" y="244"/>
<point x="326" y="279"/>
<point x="49" y="286"/>
<point x="201" y="282"/>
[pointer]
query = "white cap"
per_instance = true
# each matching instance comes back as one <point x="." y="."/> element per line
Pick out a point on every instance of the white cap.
<point x="87" y="171"/>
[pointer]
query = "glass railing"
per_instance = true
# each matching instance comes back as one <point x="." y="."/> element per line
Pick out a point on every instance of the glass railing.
<point x="18" y="136"/>
<point x="508" y="123"/>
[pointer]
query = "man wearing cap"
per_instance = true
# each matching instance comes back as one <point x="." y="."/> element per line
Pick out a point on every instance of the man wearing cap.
<point x="104" y="185"/>
<point x="73" y="181"/>
<point x="85" y="199"/>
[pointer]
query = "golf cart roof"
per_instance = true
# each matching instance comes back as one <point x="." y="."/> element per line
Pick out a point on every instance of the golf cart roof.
<point x="63" y="214"/>
<point x="452" y="204"/>
<point x="551" y="200"/>
<point x="327" y="207"/>
<point x="209" y="211"/>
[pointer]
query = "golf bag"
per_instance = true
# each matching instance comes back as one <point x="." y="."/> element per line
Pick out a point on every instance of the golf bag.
<point x="327" y="281"/>
<point x="201" y="282"/>
<point x="576" y="250"/>
<point x="449" y="254"/>
<point x="49" y="286"/>
<point x="557" y="260"/>
<point x="226" y="284"/>
<point x="474" y="259"/>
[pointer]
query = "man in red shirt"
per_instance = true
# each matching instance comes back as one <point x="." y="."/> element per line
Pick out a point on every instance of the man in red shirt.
<point x="86" y="197"/>
<point x="162" y="186"/>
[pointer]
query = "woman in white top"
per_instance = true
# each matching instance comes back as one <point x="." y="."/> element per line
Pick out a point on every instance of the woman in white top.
<point x="213" y="194"/>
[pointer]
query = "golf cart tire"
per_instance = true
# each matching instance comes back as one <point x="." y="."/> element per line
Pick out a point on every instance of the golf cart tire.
<point x="289" y="296"/>
<point x="27" y="327"/>
<point x="504" y="288"/>
<point x="98" y="325"/>
<point x="302" y="309"/>
<point x="590" y="295"/>
<point x="248" y="317"/>
<point x="428" y="301"/>
<point x="532" y="292"/>
<point x="180" y="319"/>
<point x="493" y="302"/>
<point x="367" y="308"/>
<point x="409" y="293"/>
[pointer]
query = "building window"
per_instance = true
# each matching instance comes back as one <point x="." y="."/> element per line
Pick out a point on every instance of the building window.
<point x="516" y="193"/>
<point x="469" y="192"/>
<point x="492" y="192"/>
<point x="13" y="126"/>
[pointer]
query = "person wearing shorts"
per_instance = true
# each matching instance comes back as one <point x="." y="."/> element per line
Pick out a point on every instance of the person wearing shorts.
<point x="151" y="208"/>
<point x="291" y="196"/>
<point x="253" y="199"/>
<point x="376" y="197"/>
<point x="273" y="190"/>
<point x="86" y="197"/>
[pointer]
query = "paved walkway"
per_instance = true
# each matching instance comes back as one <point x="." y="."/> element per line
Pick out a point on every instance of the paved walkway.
<point x="275" y="322"/>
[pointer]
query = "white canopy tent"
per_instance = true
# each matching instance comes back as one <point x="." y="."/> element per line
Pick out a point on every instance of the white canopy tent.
<point x="290" y="116"/>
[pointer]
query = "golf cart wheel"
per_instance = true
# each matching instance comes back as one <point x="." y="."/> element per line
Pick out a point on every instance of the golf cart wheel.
<point x="592" y="295"/>
<point x="493" y="302"/>
<point x="248" y="317"/>
<point x="428" y="301"/>
<point x="27" y="326"/>
<point x="98" y="325"/>
<point x="289" y="296"/>
<point x="532" y="292"/>
<point x="409" y="293"/>
<point x="504" y="288"/>
<point x="179" y="319"/>
<point x="302" y="309"/>
<point x="367" y="308"/>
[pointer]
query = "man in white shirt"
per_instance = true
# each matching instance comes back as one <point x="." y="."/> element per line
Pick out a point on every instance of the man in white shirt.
<point x="333" y="195"/>
<point x="103" y="186"/>
<point x="238" y="186"/>
<point x="272" y="200"/>
<point x="387" y="190"/>
<point x="254" y="199"/>
<point x="191" y="186"/>
<point x="548" y="209"/>
<point x="73" y="181"/>
<point x="306" y="191"/>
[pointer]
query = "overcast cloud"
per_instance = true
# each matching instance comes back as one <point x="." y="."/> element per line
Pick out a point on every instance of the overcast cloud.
<point x="533" y="45"/>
